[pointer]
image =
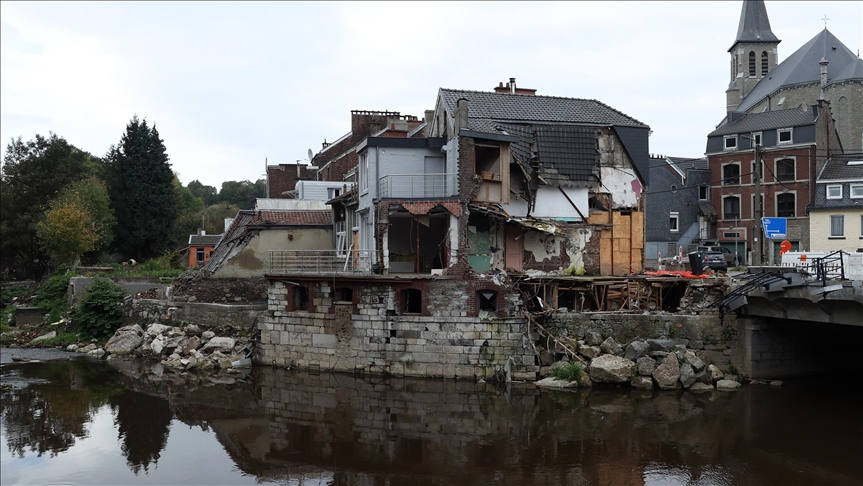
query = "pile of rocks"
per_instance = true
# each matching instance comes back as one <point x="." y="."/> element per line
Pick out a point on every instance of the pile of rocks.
<point x="184" y="348"/>
<point x="645" y="364"/>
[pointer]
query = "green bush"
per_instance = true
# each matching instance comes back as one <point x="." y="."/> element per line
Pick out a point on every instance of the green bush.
<point x="99" y="313"/>
<point x="567" y="372"/>
<point x="52" y="296"/>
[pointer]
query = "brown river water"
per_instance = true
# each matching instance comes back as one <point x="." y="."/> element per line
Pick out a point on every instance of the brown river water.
<point x="81" y="421"/>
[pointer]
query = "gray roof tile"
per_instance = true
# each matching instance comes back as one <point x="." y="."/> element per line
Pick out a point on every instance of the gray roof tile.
<point x="754" y="24"/>
<point x="837" y="168"/>
<point x="853" y="71"/>
<point x="802" y="67"/>
<point x="754" y="122"/>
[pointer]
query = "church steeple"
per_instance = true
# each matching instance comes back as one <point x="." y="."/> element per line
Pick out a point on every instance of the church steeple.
<point x="754" y="52"/>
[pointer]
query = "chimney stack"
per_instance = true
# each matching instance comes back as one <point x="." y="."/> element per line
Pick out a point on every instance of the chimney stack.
<point x="511" y="85"/>
<point x="461" y="115"/>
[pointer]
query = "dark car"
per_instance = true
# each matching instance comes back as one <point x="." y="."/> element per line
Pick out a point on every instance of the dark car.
<point x="715" y="260"/>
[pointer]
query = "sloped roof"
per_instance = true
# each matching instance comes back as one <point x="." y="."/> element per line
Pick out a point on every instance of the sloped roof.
<point x="489" y="105"/>
<point x="837" y="168"/>
<point x="684" y="164"/>
<point x="294" y="218"/>
<point x="802" y="67"/>
<point x="204" y="240"/>
<point x="853" y="71"/>
<point x="754" y="24"/>
<point x="235" y="239"/>
<point x="755" y="122"/>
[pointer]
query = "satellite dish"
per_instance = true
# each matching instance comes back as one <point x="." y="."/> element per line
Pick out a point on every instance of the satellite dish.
<point x="311" y="155"/>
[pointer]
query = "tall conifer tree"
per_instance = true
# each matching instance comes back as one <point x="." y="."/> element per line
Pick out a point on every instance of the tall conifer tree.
<point x="142" y="192"/>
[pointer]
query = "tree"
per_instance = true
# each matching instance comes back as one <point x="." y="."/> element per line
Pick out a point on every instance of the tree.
<point x="142" y="192"/>
<point x="243" y="194"/>
<point x="67" y="231"/>
<point x="33" y="173"/>
<point x="208" y="194"/>
<point x="93" y="194"/>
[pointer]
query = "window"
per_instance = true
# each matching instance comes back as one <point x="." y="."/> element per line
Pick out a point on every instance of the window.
<point x="730" y="142"/>
<point x="731" y="207"/>
<point x="784" y="135"/>
<point x="301" y="298"/>
<point x="856" y="191"/>
<point x="764" y="63"/>
<point x="364" y="172"/>
<point x="731" y="174"/>
<point x="412" y="301"/>
<point x="785" y="170"/>
<point x="834" y="192"/>
<point x="486" y="300"/>
<point x="837" y="226"/>
<point x="343" y="295"/>
<point x="673" y="222"/>
<point x="333" y="193"/>
<point x="786" y="205"/>
<point x="199" y="255"/>
<point x="861" y="227"/>
<point x="756" y="138"/>
<point x="703" y="194"/>
<point x="751" y="64"/>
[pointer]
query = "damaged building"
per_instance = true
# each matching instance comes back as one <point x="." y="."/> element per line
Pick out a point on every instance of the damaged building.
<point x="510" y="202"/>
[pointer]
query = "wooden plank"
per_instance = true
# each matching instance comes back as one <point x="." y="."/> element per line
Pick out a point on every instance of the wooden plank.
<point x="638" y="230"/>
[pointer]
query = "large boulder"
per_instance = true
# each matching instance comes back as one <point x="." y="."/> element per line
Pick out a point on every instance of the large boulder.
<point x="592" y="338"/>
<point x="189" y="344"/>
<point x="155" y="329"/>
<point x="667" y="374"/>
<point x="612" y="369"/>
<point x="636" y="349"/>
<point x="589" y="352"/>
<point x="610" y="346"/>
<point x="642" y="382"/>
<point x="687" y="375"/>
<point x="698" y="386"/>
<point x="223" y="344"/>
<point x="125" y="340"/>
<point x="206" y="336"/>
<point x="715" y="373"/>
<point x="646" y="365"/>
<point x="696" y="362"/>
<point x="727" y="385"/>
<point x="665" y="345"/>
<point x="555" y="383"/>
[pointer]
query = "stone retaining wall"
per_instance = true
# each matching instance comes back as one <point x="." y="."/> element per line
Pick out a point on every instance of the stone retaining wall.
<point x="206" y="315"/>
<point x="369" y="335"/>
<point x="200" y="286"/>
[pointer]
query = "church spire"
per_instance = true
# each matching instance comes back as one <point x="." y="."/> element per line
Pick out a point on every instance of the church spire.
<point x="754" y="24"/>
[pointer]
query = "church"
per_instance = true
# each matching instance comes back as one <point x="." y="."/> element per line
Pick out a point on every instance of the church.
<point x="822" y="69"/>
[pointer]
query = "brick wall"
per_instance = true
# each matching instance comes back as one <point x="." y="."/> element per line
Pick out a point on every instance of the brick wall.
<point x="284" y="177"/>
<point x="373" y="333"/>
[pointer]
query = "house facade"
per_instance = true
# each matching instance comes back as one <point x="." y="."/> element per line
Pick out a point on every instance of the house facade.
<point x="679" y="213"/>
<point x="201" y="247"/>
<point x="836" y="214"/>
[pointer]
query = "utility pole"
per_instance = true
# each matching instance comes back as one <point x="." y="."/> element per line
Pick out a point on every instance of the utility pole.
<point x="759" y="209"/>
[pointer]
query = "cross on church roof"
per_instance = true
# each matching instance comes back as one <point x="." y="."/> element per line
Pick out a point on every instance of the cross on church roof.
<point x="825" y="19"/>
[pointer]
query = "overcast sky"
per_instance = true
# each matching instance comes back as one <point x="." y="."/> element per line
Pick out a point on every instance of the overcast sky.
<point x="228" y="84"/>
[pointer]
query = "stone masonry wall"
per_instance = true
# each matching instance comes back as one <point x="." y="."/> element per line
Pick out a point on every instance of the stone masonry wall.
<point x="200" y="286"/>
<point x="205" y="315"/>
<point x="372" y="334"/>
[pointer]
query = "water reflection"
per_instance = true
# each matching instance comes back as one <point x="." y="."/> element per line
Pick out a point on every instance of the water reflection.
<point x="289" y="428"/>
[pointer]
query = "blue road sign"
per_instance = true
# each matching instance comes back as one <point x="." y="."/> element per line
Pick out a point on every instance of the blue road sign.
<point x="775" y="227"/>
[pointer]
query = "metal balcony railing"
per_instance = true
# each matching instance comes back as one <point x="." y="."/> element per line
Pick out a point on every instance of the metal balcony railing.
<point x="417" y="186"/>
<point x="319" y="262"/>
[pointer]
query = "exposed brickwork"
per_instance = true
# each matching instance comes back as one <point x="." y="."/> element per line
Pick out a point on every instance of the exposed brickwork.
<point x="200" y="287"/>
<point x="283" y="177"/>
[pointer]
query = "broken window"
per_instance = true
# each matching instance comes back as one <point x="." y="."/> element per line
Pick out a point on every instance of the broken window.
<point x="412" y="301"/>
<point x="491" y="161"/>
<point x="731" y="174"/>
<point x="486" y="300"/>
<point x="343" y="295"/>
<point x="301" y="298"/>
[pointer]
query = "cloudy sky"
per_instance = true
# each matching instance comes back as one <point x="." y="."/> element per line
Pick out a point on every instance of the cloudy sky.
<point x="230" y="84"/>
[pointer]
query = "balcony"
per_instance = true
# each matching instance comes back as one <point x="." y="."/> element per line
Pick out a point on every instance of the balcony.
<point x="417" y="186"/>
<point x="319" y="262"/>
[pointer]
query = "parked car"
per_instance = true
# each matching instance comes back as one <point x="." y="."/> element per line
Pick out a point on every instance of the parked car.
<point x="715" y="260"/>
<point x="731" y="257"/>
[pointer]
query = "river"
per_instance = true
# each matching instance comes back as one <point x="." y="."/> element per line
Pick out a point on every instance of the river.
<point x="84" y="421"/>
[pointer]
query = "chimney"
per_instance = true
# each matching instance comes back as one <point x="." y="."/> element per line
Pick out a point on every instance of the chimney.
<point x="461" y="115"/>
<point x="429" y="114"/>
<point x="202" y="232"/>
<point x="325" y="144"/>
<point x="511" y="85"/>
<point x="823" y="63"/>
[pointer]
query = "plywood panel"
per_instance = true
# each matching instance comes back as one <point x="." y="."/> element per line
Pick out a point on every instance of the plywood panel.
<point x="638" y="230"/>
<point x="514" y="248"/>
<point x="605" y="253"/>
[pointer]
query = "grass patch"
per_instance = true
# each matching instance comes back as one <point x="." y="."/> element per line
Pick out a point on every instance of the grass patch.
<point x="567" y="372"/>
<point x="52" y="296"/>
<point x="61" y="339"/>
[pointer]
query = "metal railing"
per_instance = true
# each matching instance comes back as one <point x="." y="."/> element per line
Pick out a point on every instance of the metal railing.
<point x="417" y="186"/>
<point x="319" y="262"/>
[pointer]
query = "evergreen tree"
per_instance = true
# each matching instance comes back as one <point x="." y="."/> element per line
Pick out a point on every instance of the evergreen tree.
<point x="142" y="192"/>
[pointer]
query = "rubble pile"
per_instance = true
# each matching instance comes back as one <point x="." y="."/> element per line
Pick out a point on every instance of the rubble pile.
<point x="665" y="364"/>
<point x="186" y="348"/>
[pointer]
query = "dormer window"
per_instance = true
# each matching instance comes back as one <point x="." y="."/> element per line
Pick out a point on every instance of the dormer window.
<point x="764" y="63"/>
<point x="730" y="142"/>
<point x="785" y="135"/>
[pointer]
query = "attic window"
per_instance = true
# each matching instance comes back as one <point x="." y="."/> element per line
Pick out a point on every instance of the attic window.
<point x="855" y="162"/>
<point x="764" y="63"/>
<point x="785" y="135"/>
<point x="730" y="142"/>
<point x="751" y="64"/>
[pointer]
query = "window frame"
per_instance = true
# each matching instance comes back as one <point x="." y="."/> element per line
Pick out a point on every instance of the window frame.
<point x="706" y="188"/>
<point x="753" y="65"/>
<point x="793" y="163"/>
<point x="841" y="219"/>
<point x="674" y="216"/>
<point x="780" y="131"/>
<point x="724" y="215"/>
<point x="756" y="138"/>
<point x="200" y="255"/>
<point x="727" y="139"/>
<point x="794" y="209"/>
<point x="833" y="186"/>
<point x="765" y="63"/>
<point x="364" y="173"/>
<point x="725" y="178"/>
<point x="851" y="191"/>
